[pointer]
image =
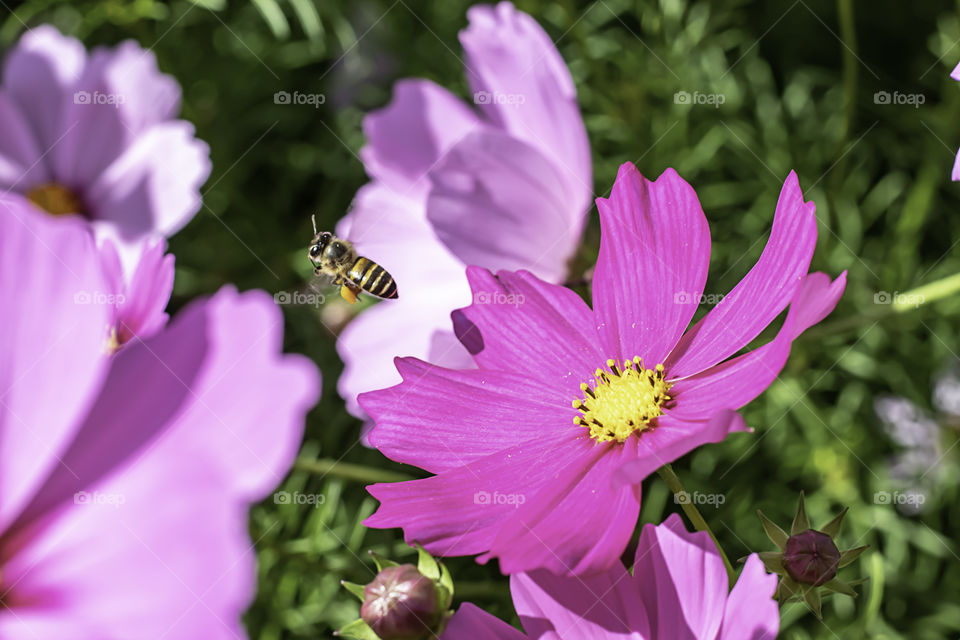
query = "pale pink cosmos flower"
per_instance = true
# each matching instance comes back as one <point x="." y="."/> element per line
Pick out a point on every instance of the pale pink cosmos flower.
<point x="504" y="183"/>
<point x="539" y="452"/>
<point x="676" y="591"/>
<point x="127" y="470"/>
<point x="96" y="134"/>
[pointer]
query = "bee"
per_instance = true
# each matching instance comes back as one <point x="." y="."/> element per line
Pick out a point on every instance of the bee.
<point x="336" y="258"/>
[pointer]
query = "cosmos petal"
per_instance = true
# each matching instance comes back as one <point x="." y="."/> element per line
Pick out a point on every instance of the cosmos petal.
<point x="421" y="421"/>
<point x="559" y="527"/>
<point x="682" y="580"/>
<point x="470" y="622"/>
<point x="736" y="382"/>
<point x="762" y="294"/>
<point x="751" y="611"/>
<point x="53" y="334"/>
<point x="499" y="203"/>
<point x="408" y="136"/>
<point x="459" y="512"/>
<point x="40" y="74"/>
<point x="21" y="167"/>
<point x="527" y="90"/>
<point x="520" y="323"/>
<point x="602" y="606"/>
<point x="672" y="438"/>
<point x="654" y="254"/>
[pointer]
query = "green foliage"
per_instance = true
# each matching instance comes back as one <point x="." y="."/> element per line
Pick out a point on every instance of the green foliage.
<point x="798" y="81"/>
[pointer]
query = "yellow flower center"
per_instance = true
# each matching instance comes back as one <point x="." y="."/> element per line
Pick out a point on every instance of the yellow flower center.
<point x="55" y="198"/>
<point x="622" y="401"/>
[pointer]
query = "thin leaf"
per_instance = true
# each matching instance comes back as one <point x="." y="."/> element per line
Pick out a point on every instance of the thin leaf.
<point x="357" y="630"/>
<point x="800" y="523"/>
<point x="777" y="535"/>
<point x="832" y="528"/>
<point x="848" y="556"/>
<point x="772" y="561"/>
<point x="811" y="596"/>
<point x="354" y="588"/>
<point x="840" y="587"/>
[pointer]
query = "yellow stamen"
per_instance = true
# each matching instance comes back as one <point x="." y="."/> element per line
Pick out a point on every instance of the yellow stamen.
<point x="55" y="198"/>
<point x="622" y="402"/>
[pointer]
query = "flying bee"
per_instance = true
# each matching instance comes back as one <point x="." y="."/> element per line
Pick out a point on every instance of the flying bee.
<point x="337" y="259"/>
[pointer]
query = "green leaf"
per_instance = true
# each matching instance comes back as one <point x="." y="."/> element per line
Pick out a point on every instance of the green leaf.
<point x="848" y="556"/>
<point x="777" y="535"/>
<point x="800" y="522"/>
<point x="787" y="588"/>
<point x="357" y="630"/>
<point x="832" y="528"/>
<point x="446" y="586"/>
<point x="273" y="15"/>
<point x="427" y="565"/>
<point x="840" y="586"/>
<point x="772" y="561"/>
<point x="382" y="562"/>
<point x="811" y="595"/>
<point x="354" y="588"/>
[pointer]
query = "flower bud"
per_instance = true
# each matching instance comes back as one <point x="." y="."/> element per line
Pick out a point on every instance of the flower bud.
<point x="400" y="604"/>
<point x="811" y="557"/>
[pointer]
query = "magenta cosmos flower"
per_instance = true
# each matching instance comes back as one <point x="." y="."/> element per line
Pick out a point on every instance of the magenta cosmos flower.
<point x="539" y="453"/>
<point x="95" y="134"/>
<point x="504" y="183"/>
<point x="126" y="472"/>
<point x="677" y="591"/>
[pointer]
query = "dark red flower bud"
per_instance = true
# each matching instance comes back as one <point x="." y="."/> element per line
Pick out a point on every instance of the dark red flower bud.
<point x="400" y="604"/>
<point x="811" y="557"/>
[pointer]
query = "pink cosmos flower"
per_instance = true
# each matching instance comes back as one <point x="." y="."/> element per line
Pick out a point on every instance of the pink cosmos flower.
<point x="126" y="473"/>
<point x="95" y="134"/>
<point x="677" y="591"/>
<point x="540" y="451"/>
<point x="504" y="184"/>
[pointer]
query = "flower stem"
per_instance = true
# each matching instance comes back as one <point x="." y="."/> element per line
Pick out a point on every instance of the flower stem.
<point x="667" y="474"/>
<point x="349" y="471"/>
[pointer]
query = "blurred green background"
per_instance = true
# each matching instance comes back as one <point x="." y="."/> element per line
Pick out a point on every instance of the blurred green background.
<point x="800" y="81"/>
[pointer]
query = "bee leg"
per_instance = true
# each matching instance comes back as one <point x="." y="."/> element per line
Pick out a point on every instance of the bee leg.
<point x="349" y="293"/>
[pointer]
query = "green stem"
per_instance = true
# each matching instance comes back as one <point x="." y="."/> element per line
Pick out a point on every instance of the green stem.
<point x="349" y="471"/>
<point x="673" y="482"/>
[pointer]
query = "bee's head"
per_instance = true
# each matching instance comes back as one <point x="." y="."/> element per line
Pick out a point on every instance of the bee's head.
<point x="320" y="242"/>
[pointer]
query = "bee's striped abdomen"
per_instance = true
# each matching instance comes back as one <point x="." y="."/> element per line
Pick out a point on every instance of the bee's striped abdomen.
<point x="372" y="278"/>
